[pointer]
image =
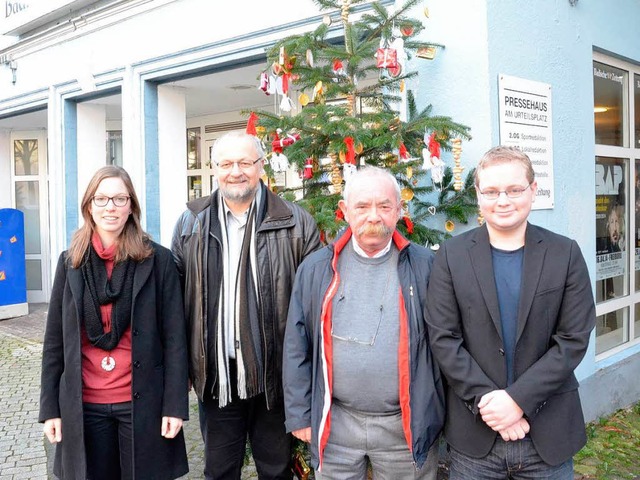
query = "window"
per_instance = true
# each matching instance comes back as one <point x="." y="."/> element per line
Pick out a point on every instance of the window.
<point x="194" y="164"/>
<point x="616" y="87"/>
<point x="114" y="147"/>
<point x="610" y="100"/>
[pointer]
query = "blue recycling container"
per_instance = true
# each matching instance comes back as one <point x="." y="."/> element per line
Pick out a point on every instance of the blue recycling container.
<point x="13" y="275"/>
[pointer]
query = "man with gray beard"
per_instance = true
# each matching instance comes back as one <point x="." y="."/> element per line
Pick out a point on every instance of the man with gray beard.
<point x="359" y="381"/>
<point x="237" y="252"/>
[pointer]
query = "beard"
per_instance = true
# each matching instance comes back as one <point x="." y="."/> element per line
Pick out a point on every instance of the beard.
<point x="238" y="195"/>
<point x="375" y="230"/>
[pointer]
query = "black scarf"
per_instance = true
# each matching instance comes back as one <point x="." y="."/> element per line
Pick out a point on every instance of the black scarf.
<point x="248" y="327"/>
<point x="99" y="290"/>
<point x="245" y="319"/>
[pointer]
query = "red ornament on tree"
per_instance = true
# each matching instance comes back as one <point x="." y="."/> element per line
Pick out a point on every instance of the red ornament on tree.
<point x="395" y="71"/>
<point x="351" y="152"/>
<point x="434" y="146"/>
<point x="406" y="30"/>
<point x="308" y="169"/>
<point x="404" y="154"/>
<point x="279" y="143"/>
<point x="251" y="124"/>
<point x="386" y="58"/>
<point x="264" y="83"/>
<point x="408" y="223"/>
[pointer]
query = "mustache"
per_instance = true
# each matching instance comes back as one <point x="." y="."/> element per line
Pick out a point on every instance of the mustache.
<point x="375" y="230"/>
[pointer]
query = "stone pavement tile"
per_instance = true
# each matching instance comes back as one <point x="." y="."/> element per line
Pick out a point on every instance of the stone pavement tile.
<point x="28" y="327"/>
<point x="20" y="372"/>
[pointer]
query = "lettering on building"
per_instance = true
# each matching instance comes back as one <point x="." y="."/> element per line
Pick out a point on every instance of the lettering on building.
<point x="11" y="8"/>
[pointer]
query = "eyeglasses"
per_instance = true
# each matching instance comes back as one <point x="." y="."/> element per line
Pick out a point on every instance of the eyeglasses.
<point x="511" y="192"/>
<point x="368" y="343"/>
<point x="103" y="200"/>
<point x="242" y="164"/>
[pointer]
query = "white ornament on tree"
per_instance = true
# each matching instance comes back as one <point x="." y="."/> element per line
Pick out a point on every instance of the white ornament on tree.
<point x="279" y="162"/>
<point x="348" y="169"/>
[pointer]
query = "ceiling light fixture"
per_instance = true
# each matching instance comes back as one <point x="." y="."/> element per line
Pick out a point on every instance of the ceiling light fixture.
<point x="241" y="87"/>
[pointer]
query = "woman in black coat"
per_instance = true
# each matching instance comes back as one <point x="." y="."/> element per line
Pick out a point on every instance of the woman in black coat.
<point x="114" y="389"/>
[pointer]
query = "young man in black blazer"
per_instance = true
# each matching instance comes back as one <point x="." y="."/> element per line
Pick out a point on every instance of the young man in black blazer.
<point x="510" y="311"/>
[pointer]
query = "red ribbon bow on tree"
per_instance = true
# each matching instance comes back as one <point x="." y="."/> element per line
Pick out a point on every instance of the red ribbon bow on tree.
<point x="408" y="223"/>
<point x="434" y="146"/>
<point x="404" y="154"/>
<point x="251" y="124"/>
<point x="351" y="152"/>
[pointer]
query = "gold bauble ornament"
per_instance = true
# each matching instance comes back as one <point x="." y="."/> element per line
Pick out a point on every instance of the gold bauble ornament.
<point x="359" y="148"/>
<point x="342" y="156"/>
<point x="303" y="99"/>
<point x="449" y="226"/>
<point x="406" y="194"/>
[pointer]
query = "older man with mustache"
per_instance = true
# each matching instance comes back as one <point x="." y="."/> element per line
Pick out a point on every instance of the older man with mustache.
<point x="359" y="382"/>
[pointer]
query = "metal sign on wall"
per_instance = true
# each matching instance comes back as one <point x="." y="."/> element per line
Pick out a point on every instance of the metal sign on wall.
<point x="525" y="123"/>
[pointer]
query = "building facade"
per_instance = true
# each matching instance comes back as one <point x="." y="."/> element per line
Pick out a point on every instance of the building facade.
<point x="150" y="84"/>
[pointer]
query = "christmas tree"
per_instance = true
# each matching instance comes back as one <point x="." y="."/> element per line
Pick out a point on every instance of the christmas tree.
<point x="341" y="102"/>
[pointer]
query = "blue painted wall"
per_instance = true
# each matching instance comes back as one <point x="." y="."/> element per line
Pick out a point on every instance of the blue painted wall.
<point x="547" y="41"/>
<point x="70" y="132"/>
<point x="553" y="42"/>
<point x="151" y="166"/>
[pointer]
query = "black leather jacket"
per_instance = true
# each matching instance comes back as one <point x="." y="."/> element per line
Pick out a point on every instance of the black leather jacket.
<point x="285" y="235"/>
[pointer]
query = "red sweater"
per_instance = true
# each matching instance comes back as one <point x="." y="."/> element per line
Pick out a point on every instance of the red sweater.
<point x="98" y="384"/>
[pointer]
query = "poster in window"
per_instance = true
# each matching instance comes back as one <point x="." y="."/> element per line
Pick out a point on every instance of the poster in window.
<point x="636" y="95"/>
<point x="611" y="235"/>
<point x="637" y="212"/>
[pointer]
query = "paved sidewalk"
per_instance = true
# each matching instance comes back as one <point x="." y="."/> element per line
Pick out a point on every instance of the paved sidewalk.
<point x="24" y="452"/>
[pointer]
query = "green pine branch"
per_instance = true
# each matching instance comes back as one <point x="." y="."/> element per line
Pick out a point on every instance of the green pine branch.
<point x="362" y="102"/>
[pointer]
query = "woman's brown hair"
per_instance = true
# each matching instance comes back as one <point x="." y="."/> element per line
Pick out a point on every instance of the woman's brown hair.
<point x="133" y="242"/>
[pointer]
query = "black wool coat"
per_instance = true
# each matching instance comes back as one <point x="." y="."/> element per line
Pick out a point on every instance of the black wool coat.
<point x="159" y="368"/>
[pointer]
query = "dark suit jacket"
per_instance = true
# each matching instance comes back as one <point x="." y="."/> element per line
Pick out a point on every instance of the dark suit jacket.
<point x="556" y="314"/>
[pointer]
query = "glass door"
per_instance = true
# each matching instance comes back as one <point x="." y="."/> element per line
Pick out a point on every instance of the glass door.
<point x="195" y="165"/>
<point x="30" y="196"/>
